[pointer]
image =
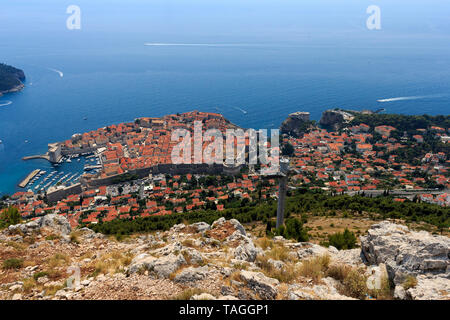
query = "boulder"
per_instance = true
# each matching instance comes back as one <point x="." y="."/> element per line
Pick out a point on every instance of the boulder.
<point x="141" y="262"/>
<point x="192" y="274"/>
<point x="276" y="264"/>
<point x="308" y="250"/>
<point x="246" y="251"/>
<point x="201" y="226"/>
<point x="221" y="229"/>
<point x="325" y="291"/>
<point x="57" y="223"/>
<point x="405" y="252"/>
<point x="430" y="287"/>
<point x="173" y="248"/>
<point x="203" y="296"/>
<point x="193" y="256"/>
<point x="163" y="267"/>
<point x="264" y="286"/>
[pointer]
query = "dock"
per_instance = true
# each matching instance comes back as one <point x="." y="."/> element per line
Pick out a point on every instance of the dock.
<point x="39" y="156"/>
<point x="33" y="174"/>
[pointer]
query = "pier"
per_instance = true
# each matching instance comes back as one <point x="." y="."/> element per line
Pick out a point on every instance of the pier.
<point x="40" y="156"/>
<point x="25" y="182"/>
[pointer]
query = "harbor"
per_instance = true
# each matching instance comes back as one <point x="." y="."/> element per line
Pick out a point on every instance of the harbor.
<point x="66" y="172"/>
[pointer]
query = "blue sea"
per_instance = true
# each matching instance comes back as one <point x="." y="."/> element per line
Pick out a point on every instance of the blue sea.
<point x="253" y="61"/>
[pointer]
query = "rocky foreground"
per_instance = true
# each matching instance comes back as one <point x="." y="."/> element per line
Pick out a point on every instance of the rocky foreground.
<point x="46" y="259"/>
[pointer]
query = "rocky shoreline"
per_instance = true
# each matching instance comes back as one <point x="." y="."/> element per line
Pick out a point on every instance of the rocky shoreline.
<point x="17" y="88"/>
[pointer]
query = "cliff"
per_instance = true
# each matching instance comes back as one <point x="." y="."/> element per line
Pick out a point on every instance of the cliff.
<point x="296" y="124"/>
<point x="335" y="118"/>
<point x="10" y="79"/>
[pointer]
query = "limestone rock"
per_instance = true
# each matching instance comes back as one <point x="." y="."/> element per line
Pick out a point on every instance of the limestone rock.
<point x="325" y="291"/>
<point x="246" y="251"/>
<point x="430" y="287"/>
<point x="264" y="286"/>
<point x="55" y="222"/>
<point x="405" y="252"/>
<point x="203" y="296"/>
<point x="192" y="274"/>
<point x="201" y="226"/>
<point x="163" y="266"/>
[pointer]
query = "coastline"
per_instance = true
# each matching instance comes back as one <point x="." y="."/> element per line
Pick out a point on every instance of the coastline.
<point x="17" y="88"/>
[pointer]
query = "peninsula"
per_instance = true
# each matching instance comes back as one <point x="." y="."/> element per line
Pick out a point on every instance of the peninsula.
<point x="11" y="79"/>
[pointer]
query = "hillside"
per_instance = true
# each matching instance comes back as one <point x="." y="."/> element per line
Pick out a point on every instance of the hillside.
<point x="224" y="260"/>
<point x="10" y="79"/>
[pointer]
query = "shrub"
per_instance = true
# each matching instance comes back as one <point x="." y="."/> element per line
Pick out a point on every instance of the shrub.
<point x="345" y="240"/>
<point x="410" y="282"/>
<point x="293" y="229"/>
<point x="13" y="263"/>
<point x="338" y="272"/>
<point x="52" y="237"/>
<point x="9" y="216"/>
<point x="40" y="274"/>
<point x="315" y="268"/>
<point x="355" y="284"/>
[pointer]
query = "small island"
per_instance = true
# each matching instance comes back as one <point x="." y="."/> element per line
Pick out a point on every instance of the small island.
<point x="11" y="79"/>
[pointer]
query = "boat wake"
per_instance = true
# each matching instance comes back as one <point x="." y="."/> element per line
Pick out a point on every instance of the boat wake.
<point x="61" y="74"/>
<point x="241" y="110"/>
<point x="5" y="103"/>
<point x="411" y="98"/>
<point x="155" y="44"/>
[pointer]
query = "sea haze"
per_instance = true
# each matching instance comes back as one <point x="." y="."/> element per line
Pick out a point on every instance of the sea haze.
<point x="253" y="61"/>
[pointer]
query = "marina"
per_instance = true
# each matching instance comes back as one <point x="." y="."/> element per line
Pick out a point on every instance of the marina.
<point x="67" y="171"/>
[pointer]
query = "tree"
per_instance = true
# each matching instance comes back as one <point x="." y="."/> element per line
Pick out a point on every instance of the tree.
<point x="345" y="240"/>
<point x="287" y="149"/>
<point x="9" y="217"/>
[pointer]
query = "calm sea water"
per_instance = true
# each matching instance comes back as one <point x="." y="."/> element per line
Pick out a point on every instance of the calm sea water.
<point x="270" y="68"/>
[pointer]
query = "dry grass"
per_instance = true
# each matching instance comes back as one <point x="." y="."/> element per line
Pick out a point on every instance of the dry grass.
<point x="58" y="260"/>
<point x="410" y="282"/>
<point x="75" y="236"/>
<point x="187" y="294"/>
<point x="113" y="262"/>
<point x="16" y="245"/>
<point x="264" y="243"/>
<point x="355" y="284"/>
<point x="338" y="271"/>
<point x="188" y="243"/>
<point x="279" y="252"/>
<point x="28" y="285"/>
<point x="315" y="268"/>
<point x="285" y="275"/>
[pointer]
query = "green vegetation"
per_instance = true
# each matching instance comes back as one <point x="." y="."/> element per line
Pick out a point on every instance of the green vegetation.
<point x="301" y="202"/>
<point x="10" y="77"/>
<point x="342" y="240"/>
<point x="13" y="263"/>
<point x="402" y="122"/>
<point x="124" y="178"/>
<point x="40" y="274"/>
<point x="9" y="217"/>
<point x="410" y="125"/>
<point x="292" y="229"/>
<point x="410" y="282"/>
